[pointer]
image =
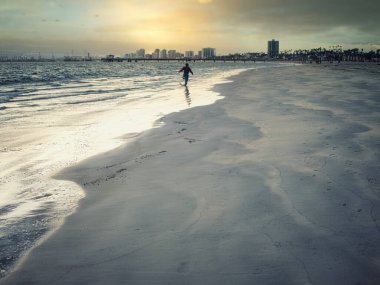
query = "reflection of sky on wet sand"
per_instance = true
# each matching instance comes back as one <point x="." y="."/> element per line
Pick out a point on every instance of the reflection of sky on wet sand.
<point x="34" y="148"/>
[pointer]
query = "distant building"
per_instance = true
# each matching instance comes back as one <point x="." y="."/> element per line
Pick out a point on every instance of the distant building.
<point x="163" y="54"/>
<point x="140" y="53"/>
<point x="130" y="55"/>
<point x="179" y="55"/>
<point x="189" y="54"/>
<point x="273" y="48"/>
<point x="208" y="52"/>
<point x="171" y="54"/>
<point x="156" y="53"/>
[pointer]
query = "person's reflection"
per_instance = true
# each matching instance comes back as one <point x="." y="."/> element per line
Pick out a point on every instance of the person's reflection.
<point x="187" y="96"/>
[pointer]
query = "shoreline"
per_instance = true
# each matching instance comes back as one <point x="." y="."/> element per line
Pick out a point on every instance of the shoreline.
<point x="155" y="107"/>
<point x="216" y="193"/>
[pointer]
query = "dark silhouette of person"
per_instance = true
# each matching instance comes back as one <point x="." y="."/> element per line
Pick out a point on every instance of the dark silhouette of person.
<point x="186" y="70"/>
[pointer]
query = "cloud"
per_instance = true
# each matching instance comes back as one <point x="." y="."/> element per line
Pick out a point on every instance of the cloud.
<point x="300" y="16"/>
<point x="238" y="25"/>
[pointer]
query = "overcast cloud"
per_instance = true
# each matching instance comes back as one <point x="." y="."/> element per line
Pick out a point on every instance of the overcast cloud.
<point x="121" y="26"/>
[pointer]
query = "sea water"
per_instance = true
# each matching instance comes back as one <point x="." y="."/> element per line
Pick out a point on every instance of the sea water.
<point x="55" y="114"/>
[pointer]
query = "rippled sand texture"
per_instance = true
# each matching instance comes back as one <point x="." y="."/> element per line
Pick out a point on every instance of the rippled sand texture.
<point x="275" y="184"/>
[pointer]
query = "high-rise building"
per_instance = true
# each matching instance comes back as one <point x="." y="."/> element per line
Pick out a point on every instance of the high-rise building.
<point x="140" y="53"/>
<point x="208" y="52"/>
<point x="156" y="53"/>
<point x="189" y="54"/>
<point x="179" y="55"/>
<point x="171" y="54"/>
<point x="163" y="54"/>
<point x="130" y="55"/>
<point x="273" y="48"/>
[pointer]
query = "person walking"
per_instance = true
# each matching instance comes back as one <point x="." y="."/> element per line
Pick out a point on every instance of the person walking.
<point x="186" y="71"/>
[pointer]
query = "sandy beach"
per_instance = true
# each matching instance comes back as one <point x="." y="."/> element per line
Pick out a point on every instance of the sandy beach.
<point x="275" y="183"/>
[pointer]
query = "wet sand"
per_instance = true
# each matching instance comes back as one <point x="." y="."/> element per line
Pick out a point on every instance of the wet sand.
<point x="277" y="183"/>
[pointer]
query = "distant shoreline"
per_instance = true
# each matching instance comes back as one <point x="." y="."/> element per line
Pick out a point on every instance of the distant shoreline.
<point x="118" y="59"/>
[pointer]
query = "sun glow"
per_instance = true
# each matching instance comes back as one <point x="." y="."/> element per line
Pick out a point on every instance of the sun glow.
<point x="124" y="25"/>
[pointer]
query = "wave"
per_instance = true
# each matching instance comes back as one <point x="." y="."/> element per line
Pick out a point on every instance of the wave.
<point x="95" y="100"/>
<point x="73" y="94"/>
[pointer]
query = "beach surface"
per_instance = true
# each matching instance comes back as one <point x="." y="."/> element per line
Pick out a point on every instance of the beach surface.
<point x="275" y="183"/>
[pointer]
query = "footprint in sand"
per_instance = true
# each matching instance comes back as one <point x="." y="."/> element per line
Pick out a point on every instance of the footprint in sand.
<point x="189" y="140"/>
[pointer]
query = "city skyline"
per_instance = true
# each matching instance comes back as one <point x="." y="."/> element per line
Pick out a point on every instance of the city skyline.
<point x="117" y="26"/>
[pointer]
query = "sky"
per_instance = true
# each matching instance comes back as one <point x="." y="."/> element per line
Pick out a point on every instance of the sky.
<point x="123" y="26"/>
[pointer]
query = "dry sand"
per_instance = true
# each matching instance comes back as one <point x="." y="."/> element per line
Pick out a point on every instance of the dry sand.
<point x="277" y="183"/>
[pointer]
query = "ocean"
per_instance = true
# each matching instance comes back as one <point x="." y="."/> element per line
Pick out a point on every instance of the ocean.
<point x="56" y="114"/>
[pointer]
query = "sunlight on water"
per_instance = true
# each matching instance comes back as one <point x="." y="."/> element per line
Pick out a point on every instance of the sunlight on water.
<point x="53" y="115"/>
